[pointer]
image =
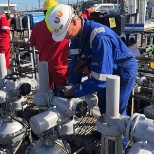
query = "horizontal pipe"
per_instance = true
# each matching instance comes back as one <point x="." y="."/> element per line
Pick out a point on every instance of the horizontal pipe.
<point x="146" y="71"/>
<point x="142" y="99"/>
<point x="144" y="58"/>
<point x="146" y="89"/>
<point x="21" y="43"/>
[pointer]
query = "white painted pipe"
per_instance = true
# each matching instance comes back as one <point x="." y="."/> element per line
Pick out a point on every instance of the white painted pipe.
<point x="112" y="96"/>
<point x="29" y="30"/>
<point x="132" y="6"/>
<point x="142" y="10"/>
<point x="43" y="77"/>
<point x="3" y="70"/>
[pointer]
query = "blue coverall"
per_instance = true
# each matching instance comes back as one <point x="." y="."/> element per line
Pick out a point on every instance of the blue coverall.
<point x="106" y="54"/>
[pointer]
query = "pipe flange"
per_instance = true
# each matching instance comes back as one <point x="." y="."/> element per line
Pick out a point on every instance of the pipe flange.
<point x="132" y="122"/>
<point x="105" y="128"/>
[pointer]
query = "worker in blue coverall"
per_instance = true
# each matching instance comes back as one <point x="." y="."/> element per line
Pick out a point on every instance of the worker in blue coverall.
<point x="98" y="47"/>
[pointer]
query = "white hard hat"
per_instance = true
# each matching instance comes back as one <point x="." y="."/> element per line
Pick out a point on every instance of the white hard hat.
<point x="58" y="19"/>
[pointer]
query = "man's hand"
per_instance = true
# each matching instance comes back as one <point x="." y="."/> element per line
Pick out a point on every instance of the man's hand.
<point x="67" y="91"/>
<point x="92" y="9"/>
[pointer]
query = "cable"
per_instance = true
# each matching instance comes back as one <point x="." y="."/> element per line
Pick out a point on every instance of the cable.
<point x="16" y="119"/>
<point x="25" y="125"/>
<point x="62" y="148"/>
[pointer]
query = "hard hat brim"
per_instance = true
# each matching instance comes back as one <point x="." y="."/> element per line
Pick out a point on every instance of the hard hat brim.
<point x="58" y="38"/>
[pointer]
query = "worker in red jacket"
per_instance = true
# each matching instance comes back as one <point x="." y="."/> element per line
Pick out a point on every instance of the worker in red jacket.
<point x="5" y="39"/>
<point x="55" y="53"/>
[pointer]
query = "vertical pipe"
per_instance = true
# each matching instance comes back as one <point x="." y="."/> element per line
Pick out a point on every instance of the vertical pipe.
<point x="117" y="4"/>
<point x="8" y="9"/>
<point x="132" y="7"/>
<point x="33" y="61"/>
<point x="122" y="7"/>
<point x="103" y="144"/>
<point x="39" y="4"/>
<point x="132" y="107"/>
<point x="43" y="77"/>
<point x="142" y="11"/>
<point x="112" y="96"/>
<point x="29" y="30"/>
<point x="3" y="70"/>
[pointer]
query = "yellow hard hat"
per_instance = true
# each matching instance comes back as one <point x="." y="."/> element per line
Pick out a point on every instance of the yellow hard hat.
<point x="152" y="65"/>
<point x="48" y="4"/>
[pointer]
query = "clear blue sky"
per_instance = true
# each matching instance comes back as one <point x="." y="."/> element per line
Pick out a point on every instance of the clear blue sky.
<point x="31" y="4"/>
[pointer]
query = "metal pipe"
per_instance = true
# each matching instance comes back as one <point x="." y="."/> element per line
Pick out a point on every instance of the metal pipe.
<point x="143" y="99"/>
<point x="8" y="9"/>
<point x="106" y="123"/>
<point x="118" y="4"/>
<point x="21" y="43"/>
<point x="150" y="90"/>
<point x="152" y="94"/>
<point x="43" y="77"/>
<point x="33" y="60"/>
<point x="145" y="71"/>
<point x="39" y="4"/>
<point x="132" y="107"/>
<point x="140" y="128"/>
<point x="131" y="6"/>
<point x="79" y="150"/>
<point x="145" y="58"/>
<point x="142" y="11"/>
<point x="112" y="104"/>
<point x="29" y="30"/>
<point x="3" y="70"/>
<point x="112" y="96"/>
<point x="122" y="7"/>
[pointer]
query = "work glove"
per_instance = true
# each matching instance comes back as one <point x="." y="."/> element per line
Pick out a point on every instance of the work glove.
<point x="67" y="91"/>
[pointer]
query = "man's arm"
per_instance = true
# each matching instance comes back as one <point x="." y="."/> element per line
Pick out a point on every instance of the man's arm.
<point x="100" y="66"/>
<point x="75" y="77"/>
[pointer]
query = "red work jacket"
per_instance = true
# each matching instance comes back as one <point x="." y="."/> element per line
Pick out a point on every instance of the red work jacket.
<point x="55" y="53"/>
<point x="5" y="38"/>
